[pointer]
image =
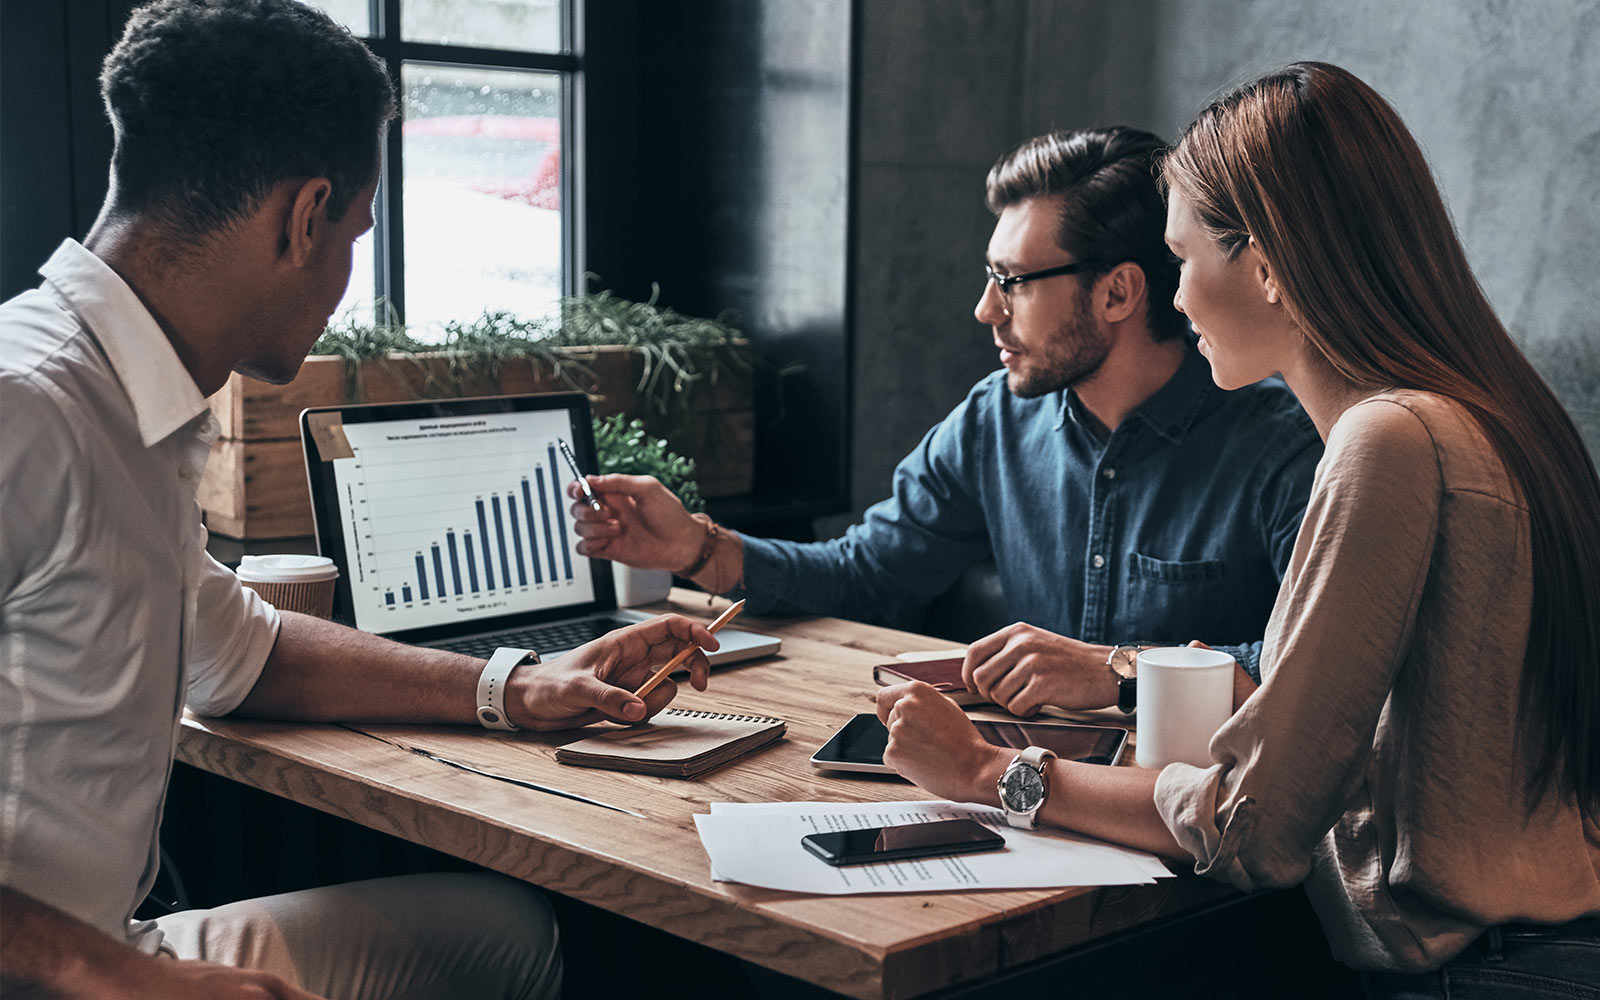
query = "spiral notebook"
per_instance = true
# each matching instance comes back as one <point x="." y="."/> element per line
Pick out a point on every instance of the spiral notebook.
<point x="678" y="743"/>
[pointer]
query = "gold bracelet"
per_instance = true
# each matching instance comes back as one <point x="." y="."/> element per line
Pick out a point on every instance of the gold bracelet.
<point x="707" y="547"/>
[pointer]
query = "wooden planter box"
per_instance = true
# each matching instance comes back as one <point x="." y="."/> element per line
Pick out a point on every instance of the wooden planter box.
<point x="255" y="482"/>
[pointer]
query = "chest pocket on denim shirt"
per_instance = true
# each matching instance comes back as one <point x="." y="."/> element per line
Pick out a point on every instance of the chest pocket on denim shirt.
<point x="1178" y="600"/>
<point x="1198" y="571"/>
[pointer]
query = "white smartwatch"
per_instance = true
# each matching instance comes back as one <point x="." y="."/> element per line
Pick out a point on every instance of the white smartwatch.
<point x="1023" y="788"/>
<point x="492" y="685"/>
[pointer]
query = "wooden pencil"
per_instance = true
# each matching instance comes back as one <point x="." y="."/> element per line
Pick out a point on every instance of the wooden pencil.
<point x="727" y="616"/>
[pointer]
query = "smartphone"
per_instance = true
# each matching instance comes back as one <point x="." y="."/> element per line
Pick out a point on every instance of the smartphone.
<point x="900" y="843"/>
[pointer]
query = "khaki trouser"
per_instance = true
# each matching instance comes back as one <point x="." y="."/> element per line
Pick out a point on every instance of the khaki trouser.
<point x="414" y="937"/>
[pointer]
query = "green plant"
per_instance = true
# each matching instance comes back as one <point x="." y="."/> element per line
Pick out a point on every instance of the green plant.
<point x="624" y="447"/>
<point x="681" y="353"/>
<point x="679" y="358"/>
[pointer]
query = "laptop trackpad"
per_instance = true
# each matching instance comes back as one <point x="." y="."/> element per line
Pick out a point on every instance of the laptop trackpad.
<point x="738" y="645"/>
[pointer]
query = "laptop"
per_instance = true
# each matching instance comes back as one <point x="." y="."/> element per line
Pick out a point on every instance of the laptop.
<point x="450" y="525"/>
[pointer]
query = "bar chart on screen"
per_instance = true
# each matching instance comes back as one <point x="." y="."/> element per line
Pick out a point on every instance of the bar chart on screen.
<point x="460" y="516"/>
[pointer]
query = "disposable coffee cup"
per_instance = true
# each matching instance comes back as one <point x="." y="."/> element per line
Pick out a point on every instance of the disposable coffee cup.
<point x="1185" y="695"/>
<point x="292" y="583"/>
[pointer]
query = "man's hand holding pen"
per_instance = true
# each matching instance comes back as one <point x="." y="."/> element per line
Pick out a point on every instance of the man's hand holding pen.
<point x="596" y="681"/>
<point x="640" y="523"/>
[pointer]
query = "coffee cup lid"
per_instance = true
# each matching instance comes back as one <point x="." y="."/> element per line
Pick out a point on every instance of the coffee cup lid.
<point x="286" y="569"/>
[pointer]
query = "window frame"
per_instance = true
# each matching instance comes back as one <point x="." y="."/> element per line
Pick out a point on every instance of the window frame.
<point x="388" y="266"/>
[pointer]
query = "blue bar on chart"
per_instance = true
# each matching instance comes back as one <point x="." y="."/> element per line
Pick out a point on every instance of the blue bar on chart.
<point x="388" y="597"/>
<point x="483" y="539"/>
<point x="498" y="542"/>
<point x="566" y="549"/>
<point x="544" y="509"/>
<point x="455" y="567"/>
<point x="405" y="593"/>
<point x="533" y="544"/>
<point x="500" y="539"/>
<point x="516" y="541"/>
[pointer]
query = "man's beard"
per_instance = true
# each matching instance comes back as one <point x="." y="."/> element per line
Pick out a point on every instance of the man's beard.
<point x="1072" y="356"/>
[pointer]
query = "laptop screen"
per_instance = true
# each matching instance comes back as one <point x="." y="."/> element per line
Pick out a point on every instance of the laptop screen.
<point x="450" y="517"/>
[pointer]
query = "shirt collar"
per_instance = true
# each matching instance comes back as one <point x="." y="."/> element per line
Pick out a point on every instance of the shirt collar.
<point x="163" y="394"/>
<point x="1173" y="407"/>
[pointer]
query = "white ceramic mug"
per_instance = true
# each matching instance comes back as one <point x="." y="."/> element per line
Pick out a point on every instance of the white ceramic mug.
<point x="639" y="586"/>
<point x="292" y="583"/>
<point x="1185" y="695"/>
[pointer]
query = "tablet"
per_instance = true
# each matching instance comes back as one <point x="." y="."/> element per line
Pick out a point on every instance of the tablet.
<point x="859" y="745"/>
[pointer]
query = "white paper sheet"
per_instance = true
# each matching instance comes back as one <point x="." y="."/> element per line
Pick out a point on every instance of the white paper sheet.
<point x="758" y="843"/>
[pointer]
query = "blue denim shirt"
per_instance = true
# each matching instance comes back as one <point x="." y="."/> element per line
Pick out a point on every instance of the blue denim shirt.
<point x="1177" y="527"/>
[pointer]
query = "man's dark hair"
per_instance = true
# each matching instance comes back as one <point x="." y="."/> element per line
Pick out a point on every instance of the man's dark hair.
<point x="216" y="101"/>
<point x="1111" y="210"/>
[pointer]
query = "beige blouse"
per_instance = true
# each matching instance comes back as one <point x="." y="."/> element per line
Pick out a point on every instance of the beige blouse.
<point x="1376" y="763"/>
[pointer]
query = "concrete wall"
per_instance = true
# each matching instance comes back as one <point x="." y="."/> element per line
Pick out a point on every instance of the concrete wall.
<point x="1504" y="96"/>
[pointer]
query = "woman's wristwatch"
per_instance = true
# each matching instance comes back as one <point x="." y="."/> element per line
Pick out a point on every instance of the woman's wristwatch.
<point x="1024" y="787"/>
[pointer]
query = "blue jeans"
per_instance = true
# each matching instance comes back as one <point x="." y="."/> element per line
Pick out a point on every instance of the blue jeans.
<point x="1511" y="962"/>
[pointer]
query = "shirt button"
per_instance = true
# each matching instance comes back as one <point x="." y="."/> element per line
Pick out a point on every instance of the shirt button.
<point x="1109" y="473"/>
<point x="1098" y="561"/>
<point x="183" y="474"/>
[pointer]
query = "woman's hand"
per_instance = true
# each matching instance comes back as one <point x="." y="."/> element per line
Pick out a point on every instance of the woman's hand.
<point x="934" y="745"/>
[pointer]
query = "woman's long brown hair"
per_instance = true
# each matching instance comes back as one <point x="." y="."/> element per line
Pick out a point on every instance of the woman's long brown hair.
<point x="1321" y="171"/>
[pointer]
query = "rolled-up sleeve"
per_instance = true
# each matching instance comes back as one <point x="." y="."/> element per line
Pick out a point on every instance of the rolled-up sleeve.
<point x="1287" y="765"/>
<point x="233" y="635"/>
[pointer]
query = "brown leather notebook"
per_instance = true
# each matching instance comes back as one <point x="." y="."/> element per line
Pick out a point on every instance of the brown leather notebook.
<point x="944" y="675"/>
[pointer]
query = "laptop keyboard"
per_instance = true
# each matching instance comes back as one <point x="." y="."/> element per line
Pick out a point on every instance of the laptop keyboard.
<point x="556" y="637"/>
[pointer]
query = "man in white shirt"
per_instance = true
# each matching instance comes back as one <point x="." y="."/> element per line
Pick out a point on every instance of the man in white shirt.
<point x="246" y="159"/>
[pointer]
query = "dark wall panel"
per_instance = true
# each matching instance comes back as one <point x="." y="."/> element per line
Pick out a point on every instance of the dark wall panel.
<point x="55" y="141"/>
<point x="35" y="141"/>
<point x="720" y="167"/>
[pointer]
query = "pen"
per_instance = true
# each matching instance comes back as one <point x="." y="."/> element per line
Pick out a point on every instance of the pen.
<point x="583" y="482"/>
<point x="688" y="651"/>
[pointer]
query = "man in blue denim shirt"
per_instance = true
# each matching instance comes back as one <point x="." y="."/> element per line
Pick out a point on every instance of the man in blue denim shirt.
<point x="1123" y="496"/>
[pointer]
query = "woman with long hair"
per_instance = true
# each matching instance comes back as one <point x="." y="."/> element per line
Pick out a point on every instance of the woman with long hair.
<point x="1424" y="750"/>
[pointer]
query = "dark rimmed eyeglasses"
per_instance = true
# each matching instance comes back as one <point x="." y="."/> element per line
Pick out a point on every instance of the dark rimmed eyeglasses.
<point x="1005" y="282"/>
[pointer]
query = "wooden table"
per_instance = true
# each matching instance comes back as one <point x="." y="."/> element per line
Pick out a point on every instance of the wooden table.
<point x="654" y="869"/>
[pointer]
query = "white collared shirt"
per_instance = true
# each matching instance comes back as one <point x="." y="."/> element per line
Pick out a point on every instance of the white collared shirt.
<point x="112" y="615"/>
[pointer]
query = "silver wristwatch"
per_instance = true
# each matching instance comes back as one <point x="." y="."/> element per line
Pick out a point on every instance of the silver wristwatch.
<point x="1024" y="788"/>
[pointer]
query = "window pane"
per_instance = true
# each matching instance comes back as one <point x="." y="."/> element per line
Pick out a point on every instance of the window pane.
<point x="353" y="14"/>
<point x="524" y="25"/>
<point x="481" y="151"/>
<point x="359" y="294"/>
